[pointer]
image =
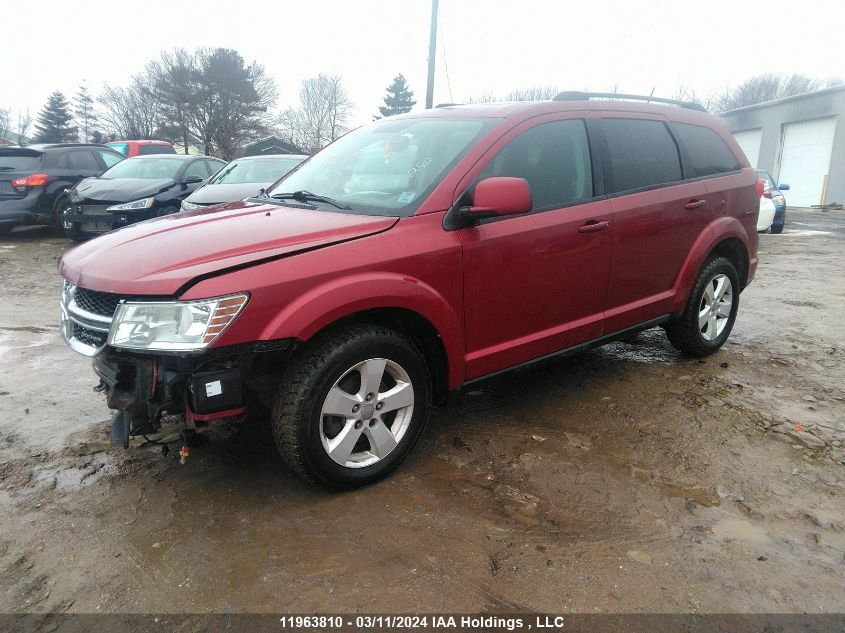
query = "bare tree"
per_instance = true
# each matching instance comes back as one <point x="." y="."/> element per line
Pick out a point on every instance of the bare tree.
<point x="767" y="87"/>
<point x="487" y="97"/>
<point x="5" y="122"/>
<point x="322" y="115"/>
<point x="24" y="122"/>
<point x="535" y="93"/>
<point x="130" y="112"/>
<point x="685" y="93"/>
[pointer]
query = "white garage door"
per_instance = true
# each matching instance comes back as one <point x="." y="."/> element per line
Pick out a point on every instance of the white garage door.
<point x="749" y="141"/>
<point x="805" y="159"/>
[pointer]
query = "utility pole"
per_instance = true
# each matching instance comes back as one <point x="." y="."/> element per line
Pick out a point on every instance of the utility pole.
<point x="432" y="46"/>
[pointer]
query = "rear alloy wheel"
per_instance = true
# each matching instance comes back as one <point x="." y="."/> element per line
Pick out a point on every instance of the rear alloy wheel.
<point x="351" y="406"/>
<point x="708" y="318"/>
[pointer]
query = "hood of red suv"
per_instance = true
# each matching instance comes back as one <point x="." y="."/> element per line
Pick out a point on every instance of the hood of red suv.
<point x="160" y="256"/>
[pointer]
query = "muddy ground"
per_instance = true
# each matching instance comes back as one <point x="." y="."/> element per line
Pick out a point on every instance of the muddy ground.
<point x="627" y="479"/>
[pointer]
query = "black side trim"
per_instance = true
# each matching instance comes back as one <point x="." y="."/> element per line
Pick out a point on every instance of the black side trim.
<point x="568" y="351"/>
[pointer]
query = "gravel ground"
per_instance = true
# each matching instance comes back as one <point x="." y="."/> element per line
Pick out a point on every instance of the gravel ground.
<point x="627" y="479"/>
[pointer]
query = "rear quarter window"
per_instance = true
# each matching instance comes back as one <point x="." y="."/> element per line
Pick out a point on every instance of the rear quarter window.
<point x="642" y="154"/>
<point x="707" y="151"/>
<point x="146" y="150"/>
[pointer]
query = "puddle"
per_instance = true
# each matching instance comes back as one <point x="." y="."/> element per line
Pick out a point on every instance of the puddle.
<point x="740" y="530"/>
<point x="706" y="497"/>
<point x="30" y="329"/>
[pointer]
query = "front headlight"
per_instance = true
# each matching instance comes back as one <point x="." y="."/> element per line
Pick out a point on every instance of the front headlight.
<point x="145" y="203"/>
<point x="173" y="325"/>
<point x="189" y="206"/>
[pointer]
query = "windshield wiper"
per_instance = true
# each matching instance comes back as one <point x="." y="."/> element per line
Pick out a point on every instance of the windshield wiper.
<point x="307" y="196"/>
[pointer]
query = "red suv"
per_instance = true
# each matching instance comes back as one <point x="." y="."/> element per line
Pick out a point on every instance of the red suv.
<point x="412" y="257"/>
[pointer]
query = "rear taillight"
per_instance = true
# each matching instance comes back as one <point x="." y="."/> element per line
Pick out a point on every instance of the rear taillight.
<point x="33" y="180"/>
<point x="761" y="186"/>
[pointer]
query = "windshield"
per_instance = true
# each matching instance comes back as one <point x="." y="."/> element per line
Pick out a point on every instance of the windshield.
<point x="254" y="170"/>
<point x="146" y="168"/>
<point x="388" y="167"/>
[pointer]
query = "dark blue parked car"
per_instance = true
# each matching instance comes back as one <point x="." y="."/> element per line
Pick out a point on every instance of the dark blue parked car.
<point x="775" y="192"/>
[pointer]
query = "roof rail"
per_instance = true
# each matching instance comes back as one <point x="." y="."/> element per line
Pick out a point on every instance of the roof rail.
<point x="576" y="95"/>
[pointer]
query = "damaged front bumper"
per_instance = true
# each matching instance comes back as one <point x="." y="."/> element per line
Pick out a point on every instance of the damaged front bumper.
<point x="203" y="388"/>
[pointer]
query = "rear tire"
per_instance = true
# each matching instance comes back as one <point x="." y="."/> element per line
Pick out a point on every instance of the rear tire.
<point x="378" y="384"/>
<point x="708" y="318"/>
<point x="776" y="229"/>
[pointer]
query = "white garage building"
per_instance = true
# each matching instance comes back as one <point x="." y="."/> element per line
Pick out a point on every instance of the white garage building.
<point x="800" y="140"/>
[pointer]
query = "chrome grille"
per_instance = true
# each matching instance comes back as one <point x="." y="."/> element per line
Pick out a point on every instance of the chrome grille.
<point x="86" y="318"/>
<point x="102" y="303"/>
<point x="89" y="337"/>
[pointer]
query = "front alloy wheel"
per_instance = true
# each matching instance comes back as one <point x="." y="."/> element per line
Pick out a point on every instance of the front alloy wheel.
<point x="367" y="413"/>
<point x="351" y="405"/>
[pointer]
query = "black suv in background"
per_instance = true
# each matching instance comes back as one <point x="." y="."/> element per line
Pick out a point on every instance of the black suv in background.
<point x="33" y="180"/>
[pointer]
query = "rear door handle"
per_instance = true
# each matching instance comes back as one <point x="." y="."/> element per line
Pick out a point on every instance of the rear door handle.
<point x="593" y="225"/>
<point x="695" y="204"/>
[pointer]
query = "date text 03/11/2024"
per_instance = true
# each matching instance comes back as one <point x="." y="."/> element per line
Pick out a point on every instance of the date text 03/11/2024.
<point x="432" y="622"/>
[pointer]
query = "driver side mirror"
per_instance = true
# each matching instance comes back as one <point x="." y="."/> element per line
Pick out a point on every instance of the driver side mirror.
<point x="500" y="195"/>
<point x="192" y="180"/>
<point x="783" y="187"/>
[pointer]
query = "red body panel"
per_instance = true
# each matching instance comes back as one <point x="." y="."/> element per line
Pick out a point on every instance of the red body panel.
<point x="498" y="294"/>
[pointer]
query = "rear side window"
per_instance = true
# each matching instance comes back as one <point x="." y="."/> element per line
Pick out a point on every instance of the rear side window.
<point x="155" y="148"/>
<point x="707" y="151"/>
<point x="555" y="160"/>
<point x="19" y="160"/>
<point x="642" y="154"/>
<point x="84" y="160"/>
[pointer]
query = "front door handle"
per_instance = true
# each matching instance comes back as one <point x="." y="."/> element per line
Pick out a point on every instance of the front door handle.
<point x="695" y="204"/>
<point x="593" y="225"/>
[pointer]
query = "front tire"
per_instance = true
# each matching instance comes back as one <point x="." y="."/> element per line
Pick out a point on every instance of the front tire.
<point x="708" y="318"/>
<point x="351" y="406"/>
<point x="57" y="224"/>
<point x="776" y="229"/>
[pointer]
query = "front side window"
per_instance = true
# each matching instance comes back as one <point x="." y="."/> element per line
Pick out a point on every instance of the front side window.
<point x="197" y="169"/>
<point x="642" y="154"/>
<point x="145" y="168"/>
<point x="110" y="158"/>
<point x="554" y="158"/>
<point x="707" y="151"/>
<point x="388" y="167"/>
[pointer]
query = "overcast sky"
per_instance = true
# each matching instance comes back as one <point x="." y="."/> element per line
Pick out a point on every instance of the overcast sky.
<point x="490" y="46"/>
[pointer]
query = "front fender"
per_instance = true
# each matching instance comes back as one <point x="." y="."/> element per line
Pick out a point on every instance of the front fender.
<point x="721" y="229"/>
<point x="323" y="305"/>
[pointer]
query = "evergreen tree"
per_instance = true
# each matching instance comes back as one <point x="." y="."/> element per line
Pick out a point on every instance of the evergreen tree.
<point x="84" y="114"/>
<point x="399" y="97"/>
<point x="54" y="121"/>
